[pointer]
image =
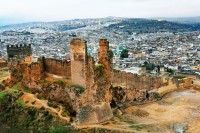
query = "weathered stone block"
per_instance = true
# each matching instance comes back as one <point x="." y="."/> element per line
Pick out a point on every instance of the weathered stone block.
<point x="91" y="114"/>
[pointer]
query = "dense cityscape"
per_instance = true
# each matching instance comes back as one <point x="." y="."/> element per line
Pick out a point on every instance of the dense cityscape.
<point x="172" y="45"/>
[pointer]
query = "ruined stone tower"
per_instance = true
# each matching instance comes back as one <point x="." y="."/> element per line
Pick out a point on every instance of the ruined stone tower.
<point x="78" y="55"/>
<point x="103" y="48"/>
<point x="105" y="58"/>
<point x="94" y="103"/>
<point x="19" y="52"/>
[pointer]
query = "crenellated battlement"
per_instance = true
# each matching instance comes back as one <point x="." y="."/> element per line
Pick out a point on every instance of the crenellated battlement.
<point x="19" y="46"/>
<point x="19" y="52"/>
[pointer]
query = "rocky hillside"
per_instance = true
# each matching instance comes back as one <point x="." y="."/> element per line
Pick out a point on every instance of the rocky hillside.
<point x="152" y="26"/>
<point x="17" y="116"/>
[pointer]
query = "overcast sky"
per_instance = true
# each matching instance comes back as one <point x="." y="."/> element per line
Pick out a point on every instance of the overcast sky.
<point x="51" y="10"/>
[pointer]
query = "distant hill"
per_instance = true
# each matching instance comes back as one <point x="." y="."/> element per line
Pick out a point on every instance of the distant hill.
<point x="183" y="20"/>
<point x="129" y="25"/>
<point x="152" y="26"/>
<point x="9" y="21"/>
<point x="59" y="25"/>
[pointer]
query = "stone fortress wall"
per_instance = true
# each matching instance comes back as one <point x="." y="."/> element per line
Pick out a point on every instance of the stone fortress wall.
<point x="135" y="81"/>
<point x="127" y="87"/>
<point x="57" y="67"/>
<point x="19" y="51"/>
<point x="102" y="84"/>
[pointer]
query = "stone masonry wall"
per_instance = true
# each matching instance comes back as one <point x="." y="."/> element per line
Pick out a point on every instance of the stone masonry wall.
<point x="127" y="87"/>
<point x="27" y="72"/>
<point x="78" y="56"/>
<point x="58" y="67"/>
<point x="134" y="81"/>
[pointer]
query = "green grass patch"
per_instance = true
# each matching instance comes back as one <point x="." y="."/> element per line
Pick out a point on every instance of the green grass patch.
<point x="60" y="82"/>
<point x="179" y="77"/>
<point x="130" y="122"/>
<point x="2" y="95"/>
<point x="16" y="87"/>
<point x="21" y="102"/>
<point x="136" y="127"/>
<point x="26" y="89"/>
<point x="63" y="129"/>
<point x="79" y="89"/>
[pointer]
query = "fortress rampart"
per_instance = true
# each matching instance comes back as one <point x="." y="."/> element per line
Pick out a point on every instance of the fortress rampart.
<point x="102" y="84"/>
<point x="19" y="51"/>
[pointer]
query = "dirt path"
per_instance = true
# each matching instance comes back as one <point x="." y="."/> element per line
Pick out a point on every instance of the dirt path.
<point x="32" y="100"/>
<point x="121" y="128"/>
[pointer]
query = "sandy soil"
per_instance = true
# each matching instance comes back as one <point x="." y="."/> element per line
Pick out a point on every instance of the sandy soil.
<point x="177" y="112"/>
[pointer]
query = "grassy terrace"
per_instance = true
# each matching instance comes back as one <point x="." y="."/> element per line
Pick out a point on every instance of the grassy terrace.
<point x="3" y="93"/>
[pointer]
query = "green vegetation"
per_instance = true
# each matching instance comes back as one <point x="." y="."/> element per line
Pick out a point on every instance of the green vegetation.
<point x="79" y="89"/>
<point x="15" y="86"/>
<point x="40" y="97"/>
<point x="2" y="94"/>
<point x="62" y="129"/>
<point x="157" y="96"/>
<point x="130" y="122"/>
<point x="110" y="52"/>
<point x="60" y="82"/>
<point x="136" y="127"/>
<point x="20" y="118"/>
<point x="26" y="89"/>
<point x="179" y="77"/>
<point x="99" y="68"/>
<point x="124" y="53"/>
<point x="21" y="102"/>
<point x="171" y="71"/>
<point x="149" y="66"/>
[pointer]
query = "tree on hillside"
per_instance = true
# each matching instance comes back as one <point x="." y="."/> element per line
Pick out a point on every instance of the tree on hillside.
<point x="150" y="66"/>
<point x="124" y="53"/>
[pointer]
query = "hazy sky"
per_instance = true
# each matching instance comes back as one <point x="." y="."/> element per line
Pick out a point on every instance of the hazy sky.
<point x="50" y="10"/>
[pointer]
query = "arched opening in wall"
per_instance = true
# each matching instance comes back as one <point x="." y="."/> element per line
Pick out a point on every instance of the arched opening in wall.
<point x="113" y="104"/>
